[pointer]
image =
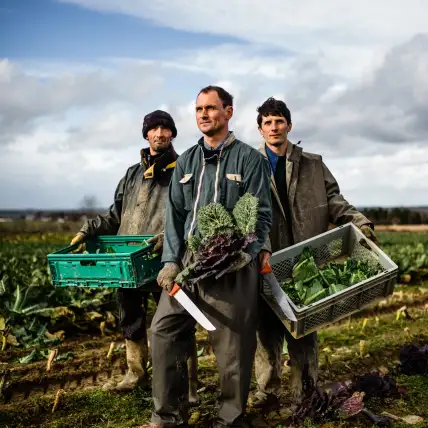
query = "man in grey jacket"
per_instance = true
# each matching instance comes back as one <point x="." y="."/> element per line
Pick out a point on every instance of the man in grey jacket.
<point x="139" y="209"/>
<point x="305" y="200"/>
<point x="219" y="168"/>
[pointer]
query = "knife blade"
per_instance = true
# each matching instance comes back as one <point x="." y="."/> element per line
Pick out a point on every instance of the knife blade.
<point x="278" y="292"/>
<point x="190" y="307"/>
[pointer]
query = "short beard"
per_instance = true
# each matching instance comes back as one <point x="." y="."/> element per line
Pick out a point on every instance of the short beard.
<point x="161" y="150"/>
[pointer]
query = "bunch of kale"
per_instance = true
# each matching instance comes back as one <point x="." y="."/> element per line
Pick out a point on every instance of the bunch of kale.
<point x="223" y="237"/>
<point x="310" y="283"/>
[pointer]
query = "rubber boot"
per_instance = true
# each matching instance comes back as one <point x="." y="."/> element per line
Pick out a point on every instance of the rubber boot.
<point x="192" y="366"/>
<point x="136" y="358"/>
<point x="304" y="381"/>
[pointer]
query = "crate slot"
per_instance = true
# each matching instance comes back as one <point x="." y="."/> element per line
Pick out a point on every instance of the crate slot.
<point x="88" y="262"/>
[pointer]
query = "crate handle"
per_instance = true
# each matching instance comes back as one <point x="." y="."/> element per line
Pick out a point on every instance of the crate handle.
<point x="363" y="242"/>
<point x="88" y="262"/>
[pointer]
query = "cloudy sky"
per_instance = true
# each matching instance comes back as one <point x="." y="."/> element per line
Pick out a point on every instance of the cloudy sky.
<point x="77" y="77"/>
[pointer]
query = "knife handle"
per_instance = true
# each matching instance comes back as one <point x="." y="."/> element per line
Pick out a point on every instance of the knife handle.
<point x="266" y="269"/>
<point x="175" y="289"/>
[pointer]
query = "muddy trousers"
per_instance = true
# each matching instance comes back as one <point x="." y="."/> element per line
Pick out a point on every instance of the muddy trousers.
<point x="231" y="304"/>
<point x="303" y="354"/>
<point x="133" y="304"/>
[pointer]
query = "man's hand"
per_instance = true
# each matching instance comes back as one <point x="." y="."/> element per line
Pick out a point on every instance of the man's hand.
<point x="369" y="233"/>
<point x="264" y="257"/>
<point x="158" y="241"/>
<point x="78" y="238"/>
<point x="167" y="276"/>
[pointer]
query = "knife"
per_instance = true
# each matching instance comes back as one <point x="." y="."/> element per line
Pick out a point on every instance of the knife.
<point x="278" y="292"/>
<point x="190" y="307"/>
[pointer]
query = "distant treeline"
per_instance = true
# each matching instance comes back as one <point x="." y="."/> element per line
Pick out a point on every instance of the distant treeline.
<point x="396" y="215"/>
<point x="386" y="216"/>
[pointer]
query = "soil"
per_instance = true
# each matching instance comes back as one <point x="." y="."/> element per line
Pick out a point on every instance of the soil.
<point x="29" y="390"/>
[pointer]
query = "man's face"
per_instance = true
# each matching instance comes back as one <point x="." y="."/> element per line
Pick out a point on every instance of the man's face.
<point x="159" y="138"/>
<point x="274" y="130"/>
<point x="211" y="116"/>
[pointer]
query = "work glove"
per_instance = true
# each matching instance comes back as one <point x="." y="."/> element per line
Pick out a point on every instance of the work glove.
<point x="158" y="241"/>
<point x="241" y="261"/>
<point x="369" y="233"/>
<point x="167" y="276"/>
<point x="79" y="238"/>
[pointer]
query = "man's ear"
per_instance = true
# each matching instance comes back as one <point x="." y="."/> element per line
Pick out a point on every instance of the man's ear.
<point x="260" y="130"/>
<point x="289" y="127"/>
<point x="229" y="112"/>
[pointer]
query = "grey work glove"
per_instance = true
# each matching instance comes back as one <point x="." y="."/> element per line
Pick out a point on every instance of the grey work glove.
<point x="167" y="276"/>
<point x="369" y="233"/>
<point x="242" y="260"/>
<point x="158" y="241"/>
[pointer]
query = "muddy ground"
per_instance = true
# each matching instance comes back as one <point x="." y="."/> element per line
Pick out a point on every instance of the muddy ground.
<point x="70" y="395"/>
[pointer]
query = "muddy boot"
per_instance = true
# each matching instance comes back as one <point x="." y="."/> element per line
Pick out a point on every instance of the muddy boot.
<point x="296" y="386"/>
<point x="192" y="366"/>
<point x="303" y="382"/>
<point x="136" y="358"/>
<point x="265" y="402"/>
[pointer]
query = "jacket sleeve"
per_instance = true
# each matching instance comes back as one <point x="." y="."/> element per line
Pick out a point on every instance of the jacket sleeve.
<point x="267" y="246"/>
<point x="257" y="182"/>
<point x="340" y="210"/>
<point x="108" y="223"/>
<point x="175" y="218"/>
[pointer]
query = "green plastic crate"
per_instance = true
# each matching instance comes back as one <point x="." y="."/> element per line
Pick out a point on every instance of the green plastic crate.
<point x="112" y="261"/>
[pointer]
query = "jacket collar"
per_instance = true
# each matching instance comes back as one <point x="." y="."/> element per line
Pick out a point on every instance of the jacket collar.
<point x="292" y="171"/>
<point x="155" y="166"/>
<point x="212" y="154"/>
<point x="290" y="149"/>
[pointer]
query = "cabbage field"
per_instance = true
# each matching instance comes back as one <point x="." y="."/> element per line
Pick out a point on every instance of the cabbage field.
<point x="58" y="347"/>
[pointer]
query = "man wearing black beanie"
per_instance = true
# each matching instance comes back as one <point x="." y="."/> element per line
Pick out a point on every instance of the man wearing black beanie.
<point x="139" y="209"/>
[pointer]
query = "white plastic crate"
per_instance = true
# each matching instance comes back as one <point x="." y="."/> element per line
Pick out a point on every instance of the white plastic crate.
<point x="341" y="241"/>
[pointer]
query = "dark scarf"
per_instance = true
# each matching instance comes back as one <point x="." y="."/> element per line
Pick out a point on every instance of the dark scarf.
<point x="158" y="164"/>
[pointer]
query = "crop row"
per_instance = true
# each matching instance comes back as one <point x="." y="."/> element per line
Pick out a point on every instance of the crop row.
<point x="33" y="312"/>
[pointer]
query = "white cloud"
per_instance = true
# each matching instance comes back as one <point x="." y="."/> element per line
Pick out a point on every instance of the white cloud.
<point x="29" y="94"/>
<point x="340" y="22"/>
<point x="72" y="129"/>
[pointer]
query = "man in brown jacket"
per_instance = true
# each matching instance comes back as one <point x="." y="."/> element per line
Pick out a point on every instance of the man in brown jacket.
<point x="139" y="209"/>
<point x="305" y="200"/>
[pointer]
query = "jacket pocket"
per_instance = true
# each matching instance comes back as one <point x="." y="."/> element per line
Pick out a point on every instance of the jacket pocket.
<point x="187" y="183"/>
<point x="231" y="190"/>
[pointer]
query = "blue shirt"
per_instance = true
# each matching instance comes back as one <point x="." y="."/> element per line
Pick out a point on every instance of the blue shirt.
<point x="273" y="158"/>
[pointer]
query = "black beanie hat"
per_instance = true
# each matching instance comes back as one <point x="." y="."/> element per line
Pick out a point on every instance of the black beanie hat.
<point x="156" y="118"/>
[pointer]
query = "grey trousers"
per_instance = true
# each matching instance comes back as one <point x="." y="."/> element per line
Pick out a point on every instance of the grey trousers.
<point x="303" y="354"/>
<point x="231" y="304"/>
